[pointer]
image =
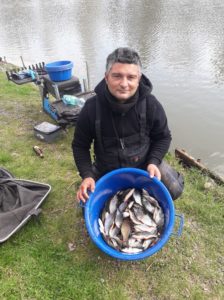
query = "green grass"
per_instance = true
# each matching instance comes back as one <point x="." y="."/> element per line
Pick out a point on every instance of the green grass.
<point x="36" y="263"/>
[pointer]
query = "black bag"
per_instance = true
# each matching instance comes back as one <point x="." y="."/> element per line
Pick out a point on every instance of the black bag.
<point x="19" y="200"/>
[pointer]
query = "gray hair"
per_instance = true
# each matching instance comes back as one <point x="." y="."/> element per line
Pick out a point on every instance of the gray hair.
<point x="123" y="55"/>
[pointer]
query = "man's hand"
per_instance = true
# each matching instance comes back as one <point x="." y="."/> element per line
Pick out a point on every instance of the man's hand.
<point x="154" y="171"/>
<point x="88" y="184"/>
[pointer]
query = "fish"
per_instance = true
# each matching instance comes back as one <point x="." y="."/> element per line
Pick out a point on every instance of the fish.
<point x="146" y="228"/>
<point x="147" y="205"/>
<point x="131" y="203"/>
<point x="119" y="241"/>
<point x="109" y="219"/>
<point x="143" y="217"/>
<point x="131" y="221"/>
<point x="133" y="218"/>
<point x="113" y="204"/>
<point x="131" y="250"/>
<point x="125" y="230"/>
<point x="144" y="235"/>
<point x="113" y="243"/>
<point x="123" y="206"/>
<point x="103" y="215"/>
<point x="137" y="197"/>
<point x="113" y="231"/>
<point x="148" y="221"/>
<point x="147" y="243"/>
<point x="158" y="217"/>
<point x="118" y="218"/>
<point x="129" y="194"/>
<point x="126" y="214"/>
<point x="134" y="243"/>
<point x="101" y="226"/>
<point x="152" y="200"/>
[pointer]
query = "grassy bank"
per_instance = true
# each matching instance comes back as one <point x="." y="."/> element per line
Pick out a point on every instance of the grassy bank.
<point x="36" y="262"/>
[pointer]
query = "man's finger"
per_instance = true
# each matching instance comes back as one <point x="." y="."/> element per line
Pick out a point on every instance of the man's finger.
<point x="80" y="197"/>
<point x="84" y="192"/>
<point x="151" y="173"/>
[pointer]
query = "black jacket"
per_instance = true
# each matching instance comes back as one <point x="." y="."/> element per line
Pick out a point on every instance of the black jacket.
<point x="123" y="124"/>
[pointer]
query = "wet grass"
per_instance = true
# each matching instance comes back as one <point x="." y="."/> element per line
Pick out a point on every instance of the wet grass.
<point x="36" y="262"/>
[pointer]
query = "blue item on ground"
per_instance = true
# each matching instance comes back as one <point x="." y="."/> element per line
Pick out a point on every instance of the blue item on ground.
<point x="122" y="179"/>
<point x="59" y="70"/>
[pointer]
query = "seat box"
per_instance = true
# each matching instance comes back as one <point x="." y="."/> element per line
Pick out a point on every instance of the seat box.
<point x="69" y="87"/>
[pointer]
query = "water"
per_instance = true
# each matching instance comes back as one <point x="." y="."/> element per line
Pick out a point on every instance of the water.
<point x="181" y="43"/>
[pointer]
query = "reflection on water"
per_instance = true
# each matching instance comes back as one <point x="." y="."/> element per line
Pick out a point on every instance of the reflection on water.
<point x="181" y="44"/>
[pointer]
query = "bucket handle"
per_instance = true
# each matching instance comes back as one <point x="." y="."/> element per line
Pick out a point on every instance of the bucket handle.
<point x="181" y="225"/>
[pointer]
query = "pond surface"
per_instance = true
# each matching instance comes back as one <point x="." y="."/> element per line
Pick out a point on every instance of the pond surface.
<point x="181" y="43"/>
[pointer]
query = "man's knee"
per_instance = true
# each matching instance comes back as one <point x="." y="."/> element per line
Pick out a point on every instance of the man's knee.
<point x="172" y="179"/>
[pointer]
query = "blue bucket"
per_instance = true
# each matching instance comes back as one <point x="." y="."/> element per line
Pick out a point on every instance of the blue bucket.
<point x="59" y="70"/>
<point x="121" y="179"/>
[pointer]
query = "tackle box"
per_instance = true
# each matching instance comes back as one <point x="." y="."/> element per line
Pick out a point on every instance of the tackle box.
<point x="47" y="132"/>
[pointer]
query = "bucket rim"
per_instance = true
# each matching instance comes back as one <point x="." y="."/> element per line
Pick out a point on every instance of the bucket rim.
<point x="60" y="65"/>
<point x="122" y="255"/>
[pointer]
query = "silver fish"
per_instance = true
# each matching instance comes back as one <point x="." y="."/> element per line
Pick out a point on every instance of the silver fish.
<point x="137" y="197"/>
<point x="131" y="204"/>
<point x="118" y="218"/>
<point x="123" y="206"/>
<point x="101" y="226"/>
<point x="113" y="243"/>
<point x="109" y="219"/>
<point x="113" y="204"/>
<point x="134" y="243"/>
<point x="103" y="215"/>
<point x="131" y="250"/>
<point x="143" y="235"/>
<point x="148" y="221"/>
<point x="144" y="218"/>
<point x="147" y="205"/>
<point x="129" y="194"/>
<point x="133" y="218"/>
<point x="131" y="221"/>
<point x="146" y="228"/>
<point x="119" y="241"/>
<point x="114" y="231"/>
<point x="147" y="243"/>
<point x="126" y="214"/>
<point x="152" y="200"/>
<point x="158" y="217"/>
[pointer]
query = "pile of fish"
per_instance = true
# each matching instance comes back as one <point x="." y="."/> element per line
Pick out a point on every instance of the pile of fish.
<point x="131" y="221"/>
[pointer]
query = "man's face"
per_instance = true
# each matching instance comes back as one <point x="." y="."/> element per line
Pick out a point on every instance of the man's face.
<point x="123" y="80"/>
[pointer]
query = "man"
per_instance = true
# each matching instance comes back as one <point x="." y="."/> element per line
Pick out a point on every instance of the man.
<point x="127" y="126"/>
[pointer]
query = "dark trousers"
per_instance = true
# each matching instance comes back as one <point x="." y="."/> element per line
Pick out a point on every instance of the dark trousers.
<point x="172" y="179"/>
